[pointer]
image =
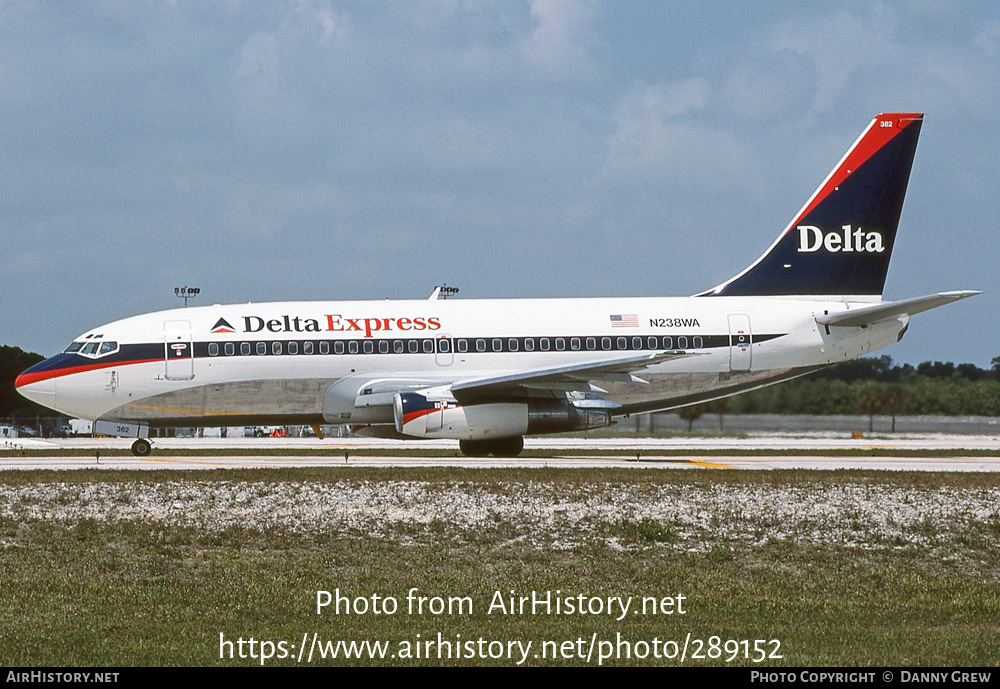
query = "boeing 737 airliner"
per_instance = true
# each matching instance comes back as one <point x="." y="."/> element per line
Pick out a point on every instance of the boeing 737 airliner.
<point x="489" y="372"/>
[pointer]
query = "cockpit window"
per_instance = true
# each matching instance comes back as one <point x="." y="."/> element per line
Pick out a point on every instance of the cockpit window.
<point x="93" y="349"/>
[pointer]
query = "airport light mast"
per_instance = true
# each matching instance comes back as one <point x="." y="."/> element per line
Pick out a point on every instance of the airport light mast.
<point x="186" y="293"/>
<point x="443" y="292"/>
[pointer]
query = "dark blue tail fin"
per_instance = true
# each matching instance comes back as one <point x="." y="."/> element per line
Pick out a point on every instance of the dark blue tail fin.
<point x="840" y="242"/>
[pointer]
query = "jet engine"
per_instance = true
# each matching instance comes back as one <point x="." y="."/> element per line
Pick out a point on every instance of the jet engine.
<point x="419" y="416"/>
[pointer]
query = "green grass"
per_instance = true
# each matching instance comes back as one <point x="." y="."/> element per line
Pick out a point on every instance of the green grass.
<point x="150" y="592"/>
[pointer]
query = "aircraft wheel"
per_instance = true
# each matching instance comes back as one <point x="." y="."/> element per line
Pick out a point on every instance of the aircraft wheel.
<point x="474" y="448"/>
<point x="141" y="448"/>
<point x="507" y="447"/>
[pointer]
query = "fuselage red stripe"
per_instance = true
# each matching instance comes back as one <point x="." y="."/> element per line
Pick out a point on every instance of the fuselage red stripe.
<point x="29" y="378"/>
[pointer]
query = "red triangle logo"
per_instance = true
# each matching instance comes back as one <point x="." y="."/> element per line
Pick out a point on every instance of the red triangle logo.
<point x="223" y="326"/>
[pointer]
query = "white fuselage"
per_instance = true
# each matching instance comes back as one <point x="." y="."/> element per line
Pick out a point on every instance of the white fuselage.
<point x="290" y="362"/>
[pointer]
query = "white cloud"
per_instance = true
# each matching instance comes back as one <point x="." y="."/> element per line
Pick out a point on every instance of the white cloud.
<point x="661" y="138"/>
<point x="564" y="40"/>
<point x="839" y="45"/>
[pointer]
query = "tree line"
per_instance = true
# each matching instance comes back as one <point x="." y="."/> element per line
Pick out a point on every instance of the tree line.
<point x="13" y="362"/>
<point x="873" y="385"/>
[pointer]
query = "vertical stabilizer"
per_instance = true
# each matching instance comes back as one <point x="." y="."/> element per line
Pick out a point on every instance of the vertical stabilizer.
<point x="839" y="244"/>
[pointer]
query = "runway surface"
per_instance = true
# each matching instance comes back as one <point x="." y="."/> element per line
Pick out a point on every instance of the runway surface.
<point x="651" y="453"/>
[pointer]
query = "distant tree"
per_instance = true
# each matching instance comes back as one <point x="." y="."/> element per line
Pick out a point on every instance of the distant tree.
<point x="13" y="362"/>
<point x="691" y="414"/>
<point x="864" y="368"/>
<point x="970" y="372"/>
<point x="870" y="400"/>
<point x="893" y="397"/>
<point x="936" y="369"/>
<point x="719" y="407"/>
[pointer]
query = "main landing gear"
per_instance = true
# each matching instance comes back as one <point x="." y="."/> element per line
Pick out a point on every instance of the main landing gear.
<point x="141" y="448"/>
<point x="501" y="447"/>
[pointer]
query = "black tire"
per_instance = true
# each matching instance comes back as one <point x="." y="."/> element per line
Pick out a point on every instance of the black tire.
<point x="141" y="448"/>
<point x="502" y="447"/>
<point x="507" y="447"/>
<point x="474" y="448"/>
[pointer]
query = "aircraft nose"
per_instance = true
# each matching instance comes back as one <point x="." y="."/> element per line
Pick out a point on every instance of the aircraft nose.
<point x="37" y="388"/>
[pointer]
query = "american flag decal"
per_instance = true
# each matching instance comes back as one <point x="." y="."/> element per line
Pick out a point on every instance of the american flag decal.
<point x="624" y="320"/>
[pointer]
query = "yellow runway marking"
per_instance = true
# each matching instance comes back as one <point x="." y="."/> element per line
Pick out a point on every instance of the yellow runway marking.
<point x="709" y="465"/>
<point x="179" y="461"/>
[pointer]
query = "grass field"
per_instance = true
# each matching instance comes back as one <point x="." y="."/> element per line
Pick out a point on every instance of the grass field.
<point x="841" y="568"/>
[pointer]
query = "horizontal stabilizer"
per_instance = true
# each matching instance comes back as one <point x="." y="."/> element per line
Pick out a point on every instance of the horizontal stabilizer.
<point x="866" y="315"/>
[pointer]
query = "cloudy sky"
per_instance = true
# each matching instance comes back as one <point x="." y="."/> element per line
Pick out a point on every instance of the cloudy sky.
<point x="362" y="150"/>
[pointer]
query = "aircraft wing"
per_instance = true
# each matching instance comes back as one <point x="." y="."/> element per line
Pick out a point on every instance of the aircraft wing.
<point x="576" y="377"/>
<point x="866" y="315"/>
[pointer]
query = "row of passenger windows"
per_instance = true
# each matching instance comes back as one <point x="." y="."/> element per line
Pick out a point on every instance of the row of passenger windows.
<point x="461" y="345"/>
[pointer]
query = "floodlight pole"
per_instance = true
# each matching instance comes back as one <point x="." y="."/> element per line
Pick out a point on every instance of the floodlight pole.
<point x="186" y="293"/>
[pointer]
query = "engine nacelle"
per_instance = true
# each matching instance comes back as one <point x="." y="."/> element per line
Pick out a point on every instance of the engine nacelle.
<point x="421" y="417"/>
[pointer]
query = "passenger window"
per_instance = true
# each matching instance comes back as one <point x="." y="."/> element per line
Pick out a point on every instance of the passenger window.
<point x="307" y="347"/>
<point x="543" y="344"/>
<point x="574" y="344"/>
<point x="529" y="344"/>
<point x="444" y="346"/>
<point x="245" y="348"/>
<point x="682" y="342"/>
<point x="276" y="348"/>
<point x="622" y="343"/>
<point x="213" y="349"/>
<point x="383" y="346"/>
<point x="413" y="346"/>
<point x="261" y="348"/>
<point x="591" y="344"/>
<point x="352" y="347"/>
<point x="293" y="347"/>
<point x="698" y="342"/>
<point x="497" y="345"/>
<point x="369" y="347"/>
<point x="463" y="346"/>
<point x="230" y="349"/>
<point x="651" y="342"/>
<point x="324" y="347"/>
<point x="428" y="346"/>
<point x="512" y="344"/>
<point x="668" y="343"/>
<point x="560" y="344"/>
<point x="398" y="347"/>
<point x="605" y="343"/>
<point x="480" y="345"/>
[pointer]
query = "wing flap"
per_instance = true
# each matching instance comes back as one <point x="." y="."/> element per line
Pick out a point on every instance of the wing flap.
<point x="617" y="369"/>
